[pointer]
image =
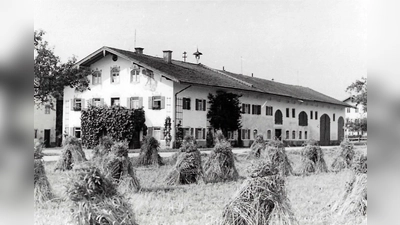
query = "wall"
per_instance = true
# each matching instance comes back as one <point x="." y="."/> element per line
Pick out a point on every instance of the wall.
<point x="44" y="121"/>
<point x="263" y="123"/>
<point x="145" y="88"/>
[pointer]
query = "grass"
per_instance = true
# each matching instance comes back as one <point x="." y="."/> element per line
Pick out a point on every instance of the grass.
<point x="202" y="204"/>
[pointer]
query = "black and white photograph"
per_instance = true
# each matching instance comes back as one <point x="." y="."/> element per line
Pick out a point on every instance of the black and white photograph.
<point x="200" y="112"/>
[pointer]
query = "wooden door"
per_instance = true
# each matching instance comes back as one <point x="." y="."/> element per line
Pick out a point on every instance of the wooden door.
<point x="325" y="130"/>
<point x="47" y="138"/>
<point x="340" y="129"/>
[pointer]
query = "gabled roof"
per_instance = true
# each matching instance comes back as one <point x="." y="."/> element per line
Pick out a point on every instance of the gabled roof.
<point x="199" y="74"/>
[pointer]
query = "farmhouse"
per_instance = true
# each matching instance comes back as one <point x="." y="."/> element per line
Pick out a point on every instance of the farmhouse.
<point x="179" y="90"/>
<point x="44" y="123"/>
<point x="354" y="114"/>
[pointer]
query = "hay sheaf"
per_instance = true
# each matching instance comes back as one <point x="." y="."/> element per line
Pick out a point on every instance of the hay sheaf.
<point x="344" y="160"/>
<point x="188" y="167"/>
<point x="149" y="152"/>
<point x="103" y="148"/>
<point x="312" y="159"/>
<point x="71" y="154"/>
<point x="260" y="200"/>
<point x="359" y="164"/>
<point x="257" y="148"/>
<point x="277" y="155"/>
<point x="93" y="199"/>
<point x="353" y="200"/>
<point x="119" y="169"/>
<point x="42" y="190"/>
<point x="220" y="165"/>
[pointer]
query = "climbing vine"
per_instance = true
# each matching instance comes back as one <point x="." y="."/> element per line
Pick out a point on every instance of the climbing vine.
<point x="117" y="122"/>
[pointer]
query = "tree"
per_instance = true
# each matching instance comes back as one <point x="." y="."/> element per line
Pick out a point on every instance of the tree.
<point x="224" y="111"/>
<point x="358" y="91"/>
<point x="358" y="126"/>
<point x="51" y="76"/>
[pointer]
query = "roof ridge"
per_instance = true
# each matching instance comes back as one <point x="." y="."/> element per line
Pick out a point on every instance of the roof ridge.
<point x="234" y="78"/>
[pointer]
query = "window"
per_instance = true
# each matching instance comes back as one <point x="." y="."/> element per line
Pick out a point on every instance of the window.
<point x="115" y="101"/>
<point x="305" y="135"/>
<point x="96" y="77"/>
<point x="186" y="132"/>
<point x="269" y="134"/>
<point x="300" y="135"/>
<point x="200" y="133"/>
<point x="135" y="103"/>
<point x="97" y="102"/>
<point x="303" y="120"/>
<point x="334" y="117"/>
<point x="246" y="108"/>
<point x="157" y="133"/>
<point x="200" y="105"/>
<point x="268" y="110"/>
<point x="186" y="103"/>
<point x="293" y="134"/>
<point x="36" y="133"/>
<point x="356" y="110"/>
<point x="245" y="134"/>
<point x="77" y="104"/>
<point x="135" y="74"/>
<point x="278" y="117"/>
<point x="294" y="113"/>
<point x="287" y="113"/>
<point x="157" y="102"/>
<point x="316" y="115"/>
<point x="311" y="114"/>
<point x="287" y="135"/>
<point x="47" y="109"/>
<point x="348" y="110"/>
<point x="256" y="109"/>
<point x="115" y="75"/>
<point x="77" y="132"/>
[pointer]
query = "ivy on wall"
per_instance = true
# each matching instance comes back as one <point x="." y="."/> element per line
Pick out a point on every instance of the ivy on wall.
<point x="117" y="122"/>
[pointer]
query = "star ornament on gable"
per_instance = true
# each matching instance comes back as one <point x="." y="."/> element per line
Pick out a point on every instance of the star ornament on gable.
<point x="197" y="55"/>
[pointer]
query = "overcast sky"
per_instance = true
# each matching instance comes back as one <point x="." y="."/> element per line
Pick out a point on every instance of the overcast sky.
<point x="318" y="44"/>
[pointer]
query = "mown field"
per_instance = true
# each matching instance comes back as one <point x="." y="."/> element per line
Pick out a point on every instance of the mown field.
<point x="202" y="204"/>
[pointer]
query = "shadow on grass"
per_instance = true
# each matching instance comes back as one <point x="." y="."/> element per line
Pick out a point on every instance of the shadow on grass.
<point x="160" y="189"/>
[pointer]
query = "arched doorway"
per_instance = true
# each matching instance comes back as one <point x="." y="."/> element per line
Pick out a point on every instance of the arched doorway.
<point x="324" y="130"/>
<point x="278" y="117"/>
<point x="340" y="129"/>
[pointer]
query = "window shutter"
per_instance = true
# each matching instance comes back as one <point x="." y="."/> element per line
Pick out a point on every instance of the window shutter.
<point x="150" y="102"/>
<point x="204" y="133"/>
<point x="197" y="106"/>
<point x="150" y="131"/>
<point x="82" y="103"/>
<point x="204" y="105"/>
<point x="72" y="104"/>
<point x="162" y="102"/>
<point x="191" y="131"/>
<point x="71" y="131"/>
<point x="140" y="101"/>
<point x="102" y="101"/>
<point x="188" y="102"/>
<point x="89" y="102"/>
<point x="128" y="103"/>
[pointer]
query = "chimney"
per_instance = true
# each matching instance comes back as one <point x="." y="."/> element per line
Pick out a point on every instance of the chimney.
<point x="167" y="56"/>
<point x="139" y="50"/>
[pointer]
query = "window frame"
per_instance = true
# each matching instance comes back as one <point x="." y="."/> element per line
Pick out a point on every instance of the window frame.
<point x="35" y="134"/>
<point x="287" y="112"/>
<point x="96" y="77"/>
<point x="186" y="103"/>
<point x="157" y="99"/>
<point x="256" y="109"/>
<point x="113" y="101"/>
<point x="287" y="135"/>
<point x="316" y="115"/>
<point x="115" y="72"/>
<point x="269" y="110"/>
<point x="311" y="115"/>
<point x="95" y="101"/>
<point x="47" y="109"/>
<point x="303" y="119"/>
<point x="77" y="129"/>
<point x="200" y="105"/>
<point x="134" y="78"/>
<point x="269" y="134"/>
<point x="294" y="135"/>
<point x="75" y="102"/>
<point x="300" y="135"/>
<point x="293" y="113"/>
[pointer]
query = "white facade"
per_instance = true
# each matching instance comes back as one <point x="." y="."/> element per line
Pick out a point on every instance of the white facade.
<point x="174" y="98"/>
<point x="45" y="123"/>
<point x="354" y="114"/>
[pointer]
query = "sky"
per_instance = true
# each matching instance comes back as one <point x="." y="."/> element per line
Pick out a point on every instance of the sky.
<point x="318" y="44"/>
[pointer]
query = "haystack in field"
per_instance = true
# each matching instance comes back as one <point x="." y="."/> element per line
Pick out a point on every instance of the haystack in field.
<point x="71" y="154"/>
<point x="257" y="148"/>
<point x="353" y="200"/>
<point x="42" y="190"/>
<point x="260" y="200"/>
<point x="277" y="156"/>
<point x="359" y="164"/>
<point x="118" y="168"/>
<point x="93" y="199"/>
<point x="149" y="152"/>
<point x="344" y="160"/>
<point x="220" y="166"/>
<point x="103" y="148"/>
<point x="312" y="159"/>
<point x="188" y="167"/>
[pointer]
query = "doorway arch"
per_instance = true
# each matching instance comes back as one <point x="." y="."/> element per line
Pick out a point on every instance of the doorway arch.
<point x="278" y="117"/>
<point x="325" y="130"/>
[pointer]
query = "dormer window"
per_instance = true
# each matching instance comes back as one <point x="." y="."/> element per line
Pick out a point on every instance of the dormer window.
<point x="135" y="74"/>
<point x="115" y="75"/>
